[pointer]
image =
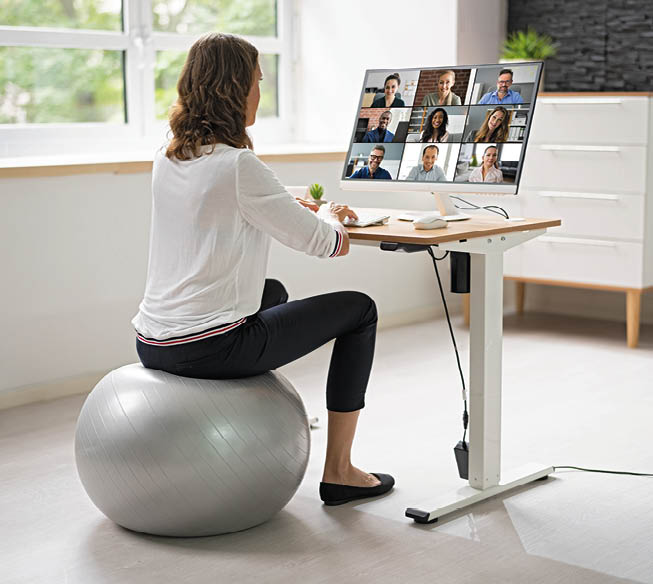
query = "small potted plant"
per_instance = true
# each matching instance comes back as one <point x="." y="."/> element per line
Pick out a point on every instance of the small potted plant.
<point x="316" y="191"/>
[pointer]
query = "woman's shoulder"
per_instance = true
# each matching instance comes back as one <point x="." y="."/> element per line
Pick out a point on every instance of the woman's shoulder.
<point x="206" y="153"/>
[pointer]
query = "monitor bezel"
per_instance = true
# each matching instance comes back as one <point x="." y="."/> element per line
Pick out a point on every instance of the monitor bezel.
<point x="447" y="187"/>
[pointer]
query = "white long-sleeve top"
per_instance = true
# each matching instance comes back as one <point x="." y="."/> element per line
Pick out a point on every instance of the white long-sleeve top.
<point x="212" y="218"/>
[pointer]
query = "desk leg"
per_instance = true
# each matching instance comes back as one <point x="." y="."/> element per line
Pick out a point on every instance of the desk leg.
<point x="485" y="355"/>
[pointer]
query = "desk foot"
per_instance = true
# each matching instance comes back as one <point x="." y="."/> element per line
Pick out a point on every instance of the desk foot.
<point x="467" y="496"/>
<point x="419" y="516"/>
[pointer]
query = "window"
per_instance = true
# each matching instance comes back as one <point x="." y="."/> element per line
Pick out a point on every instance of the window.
<point x="101" y="75"/>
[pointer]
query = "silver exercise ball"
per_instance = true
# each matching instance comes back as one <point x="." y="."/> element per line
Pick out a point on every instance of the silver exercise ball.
<point x="175" y="456"/>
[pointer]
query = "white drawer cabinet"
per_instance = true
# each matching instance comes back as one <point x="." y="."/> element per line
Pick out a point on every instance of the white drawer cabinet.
<point x="590" y="261"/>
<point x="591" y="120"/>
<point x="601" y="215"/>
<point x="573" y="167"/>
<point x="587" y="163"/>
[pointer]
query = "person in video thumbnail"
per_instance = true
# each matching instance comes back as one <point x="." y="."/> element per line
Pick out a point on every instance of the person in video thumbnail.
<point x="503" y="93"/>
<point x="444" y="95"/>
<point x="428" y="171"/>
<point x="489" y="171"/>
<point x="373" y="168"/>
<point x="435" y="129"/>
<point x="381" y="132"/>
<point x="390" y="87"/>
<point x="495" y="127"/>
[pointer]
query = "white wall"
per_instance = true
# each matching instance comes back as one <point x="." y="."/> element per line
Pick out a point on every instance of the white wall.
<point x="481" y="26"/>
<point x="341" y="39"/>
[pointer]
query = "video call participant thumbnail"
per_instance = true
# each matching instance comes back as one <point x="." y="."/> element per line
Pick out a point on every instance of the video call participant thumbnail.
<point x="390" y="87"/>
<point x="503" y="93"/>
<point x="428" y="171"/>
<point x="495" y="127"/>
<point x="488" y="171"/>
<point x="373" y="168"/>
<point x="381" y="132"/>
<point x="435" y="128"/>
<point x="444" y="95"/>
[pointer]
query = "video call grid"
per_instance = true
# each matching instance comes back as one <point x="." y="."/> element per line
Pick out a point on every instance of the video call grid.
<point x="517" y="133"/>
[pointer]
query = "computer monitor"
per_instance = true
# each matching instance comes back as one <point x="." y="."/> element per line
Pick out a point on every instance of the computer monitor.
<point x="460" y="129"/>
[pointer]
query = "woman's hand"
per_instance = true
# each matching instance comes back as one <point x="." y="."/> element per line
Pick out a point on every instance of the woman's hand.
<point x="342" y="212"/>
<point x="312" y="206"/>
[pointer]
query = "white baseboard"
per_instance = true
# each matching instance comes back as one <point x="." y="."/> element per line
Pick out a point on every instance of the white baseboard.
<point x="28" y="394"/>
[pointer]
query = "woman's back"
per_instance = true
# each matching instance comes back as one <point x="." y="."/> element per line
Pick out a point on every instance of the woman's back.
<point x="212" y="217"/>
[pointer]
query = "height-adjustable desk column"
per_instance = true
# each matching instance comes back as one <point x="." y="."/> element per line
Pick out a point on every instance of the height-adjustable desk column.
<point x="485" y="240"/>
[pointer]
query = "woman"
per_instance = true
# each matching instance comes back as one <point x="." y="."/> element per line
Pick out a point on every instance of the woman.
<point x="495" y="127"/>
<point x="489" y="171"/>
<point x="444" y="95"/>
<point x="390" y="87"/>
<point x="208" y="311"/>
<point x="436" y="126"/>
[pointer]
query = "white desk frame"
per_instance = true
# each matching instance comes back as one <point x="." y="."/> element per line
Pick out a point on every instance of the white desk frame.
<point x="485" y="356"/>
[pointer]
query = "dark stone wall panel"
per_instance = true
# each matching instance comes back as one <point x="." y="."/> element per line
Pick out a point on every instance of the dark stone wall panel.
<point x="602" y="45"/>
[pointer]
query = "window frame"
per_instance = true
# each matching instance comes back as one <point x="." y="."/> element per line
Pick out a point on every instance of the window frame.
<point x="141" y="130"/>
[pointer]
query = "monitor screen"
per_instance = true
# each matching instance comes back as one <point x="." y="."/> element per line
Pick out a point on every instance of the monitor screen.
<point x="444" y="127"/>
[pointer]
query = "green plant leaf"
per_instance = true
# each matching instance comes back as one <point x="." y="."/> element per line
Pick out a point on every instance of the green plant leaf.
<point x="316" y="190"/>
<point x="528" y="45"/>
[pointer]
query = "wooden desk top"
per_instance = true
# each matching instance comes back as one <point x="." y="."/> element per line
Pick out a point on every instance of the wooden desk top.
<point x="403" y="231"/>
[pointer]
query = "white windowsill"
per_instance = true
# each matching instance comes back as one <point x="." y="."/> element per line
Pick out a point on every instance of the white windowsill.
<point x="141" y="161"/>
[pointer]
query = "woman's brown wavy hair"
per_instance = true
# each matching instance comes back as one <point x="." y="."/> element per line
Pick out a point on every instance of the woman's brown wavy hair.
<point x="500" y="134"/>
<point x="213" y="87"/>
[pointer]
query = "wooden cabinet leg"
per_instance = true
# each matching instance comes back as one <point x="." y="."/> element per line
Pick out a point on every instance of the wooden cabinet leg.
<point x="466" y="309"/>
<point x="633" y="304"/>
<point x="520" y="296"/>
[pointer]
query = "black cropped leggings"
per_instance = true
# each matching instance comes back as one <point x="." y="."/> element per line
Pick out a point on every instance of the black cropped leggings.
<point x="281" y="332"/>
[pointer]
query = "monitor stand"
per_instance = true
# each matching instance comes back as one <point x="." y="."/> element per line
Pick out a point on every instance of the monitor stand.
<point x="448" y="209"/>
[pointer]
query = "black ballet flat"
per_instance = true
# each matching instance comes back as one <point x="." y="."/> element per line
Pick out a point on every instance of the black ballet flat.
<point x="333" y="494"/>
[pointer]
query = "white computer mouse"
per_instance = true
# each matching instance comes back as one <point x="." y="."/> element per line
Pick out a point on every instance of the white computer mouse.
<point x="432" y="221"/>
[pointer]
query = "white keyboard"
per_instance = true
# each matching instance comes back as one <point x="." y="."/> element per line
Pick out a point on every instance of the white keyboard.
<point x="366" y="219"/>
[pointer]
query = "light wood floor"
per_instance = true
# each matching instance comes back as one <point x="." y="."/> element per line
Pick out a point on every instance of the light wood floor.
<point x="573" y="394"/>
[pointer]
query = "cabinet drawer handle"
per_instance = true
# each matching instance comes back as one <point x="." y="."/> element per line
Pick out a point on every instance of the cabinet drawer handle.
<point x="565" y="195"/>
<point x="579" y="148"/>
<point x="577" y="241"/>
<point x="582" y="101"/>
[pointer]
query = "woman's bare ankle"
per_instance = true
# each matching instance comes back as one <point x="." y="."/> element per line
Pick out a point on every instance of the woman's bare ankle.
<point x="351" y="476"/>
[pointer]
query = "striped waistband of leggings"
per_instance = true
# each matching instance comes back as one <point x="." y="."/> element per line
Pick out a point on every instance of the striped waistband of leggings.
<point x="218" y="330"/>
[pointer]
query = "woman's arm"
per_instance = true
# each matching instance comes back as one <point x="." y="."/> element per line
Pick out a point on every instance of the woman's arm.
<point x="265" y="204"/>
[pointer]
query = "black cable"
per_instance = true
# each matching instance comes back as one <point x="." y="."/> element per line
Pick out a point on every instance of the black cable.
<point x="453" y="339"/>
<point x="462" y="378"/>
<point x="490" y="208"/>
<point x="617" y="472"/>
